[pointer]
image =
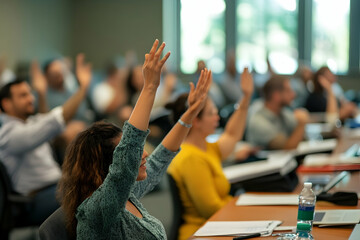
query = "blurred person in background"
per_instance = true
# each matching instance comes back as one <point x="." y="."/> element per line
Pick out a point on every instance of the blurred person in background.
<point x="197" y="169"/>
<point x="24" y="147"/>
<point x="317" y="100"/>
<point x="302" y="84"/>
<point x="274" y="126"/>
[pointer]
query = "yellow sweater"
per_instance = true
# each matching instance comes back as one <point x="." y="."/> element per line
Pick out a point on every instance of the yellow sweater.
<point x="202" y="185"/>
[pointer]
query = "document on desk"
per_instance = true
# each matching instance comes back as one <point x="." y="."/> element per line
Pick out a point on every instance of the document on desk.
<point x="236" y="228"/>
<point x="270" y="200"/>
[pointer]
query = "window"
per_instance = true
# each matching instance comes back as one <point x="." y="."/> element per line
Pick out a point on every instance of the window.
<point x="202" y="34"/>
<point x="267" y="29"/>
<point x="331" y="34"/>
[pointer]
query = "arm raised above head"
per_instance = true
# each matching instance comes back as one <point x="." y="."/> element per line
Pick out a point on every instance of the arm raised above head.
<point x="83" y="74"/>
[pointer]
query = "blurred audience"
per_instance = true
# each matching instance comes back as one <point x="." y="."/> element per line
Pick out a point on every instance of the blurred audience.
<point x="317" y="100"/>
<point x="302" y="84"/>
<point x="24" y="137"/>
<point x="274" y="126"/>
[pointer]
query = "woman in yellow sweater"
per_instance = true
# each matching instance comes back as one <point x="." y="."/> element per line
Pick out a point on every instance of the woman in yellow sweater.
<point x="197" y="168"/>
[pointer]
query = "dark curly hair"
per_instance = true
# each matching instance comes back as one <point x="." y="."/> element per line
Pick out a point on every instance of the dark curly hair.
<point x="85" y="168"/>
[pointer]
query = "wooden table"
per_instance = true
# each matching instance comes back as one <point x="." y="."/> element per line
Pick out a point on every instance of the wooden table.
<point x="288" y="214"/>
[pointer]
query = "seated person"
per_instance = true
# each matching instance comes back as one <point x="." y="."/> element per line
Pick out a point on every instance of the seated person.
<point x="197" y="169"/>
<point x="317" y="100"/>
<point x="106" y="171"/>
<point x="110" y="95"/>
<point x="301" y="84"/>
<point x="24" y="147"/>
<point x="274" y="126"/>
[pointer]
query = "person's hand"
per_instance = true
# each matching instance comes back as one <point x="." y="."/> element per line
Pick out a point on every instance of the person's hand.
<point x="152" y="66"/>
<point x="197" y="96"/>
<point x="301" y="115"/>
<point x="38" y="80"/>
<point x="247" y="83"/>
<point x="325" y="83"/>
<point x="83" y="71"/>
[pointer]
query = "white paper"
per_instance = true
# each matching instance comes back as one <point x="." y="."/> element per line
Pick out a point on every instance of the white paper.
<point x="273" y="199"/>
<point x="236" y="228"/>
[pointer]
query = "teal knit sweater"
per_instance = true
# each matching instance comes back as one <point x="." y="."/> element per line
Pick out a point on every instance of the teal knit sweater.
<point x="103" y="215"/>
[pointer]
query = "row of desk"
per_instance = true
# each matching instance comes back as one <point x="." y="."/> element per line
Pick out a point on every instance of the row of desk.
<point x="288" y="214"/>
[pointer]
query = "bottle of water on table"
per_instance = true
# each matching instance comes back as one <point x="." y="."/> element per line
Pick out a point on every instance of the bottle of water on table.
<point x="307" y="199"/>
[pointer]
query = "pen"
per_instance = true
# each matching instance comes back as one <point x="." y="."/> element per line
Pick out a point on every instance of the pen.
<point x="248" y="236"/>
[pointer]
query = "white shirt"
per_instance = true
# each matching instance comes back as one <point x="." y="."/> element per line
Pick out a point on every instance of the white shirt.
<point x="25" y="151"/>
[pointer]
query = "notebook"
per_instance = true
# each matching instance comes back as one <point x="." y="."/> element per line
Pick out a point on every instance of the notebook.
<point x="337" y="217"/>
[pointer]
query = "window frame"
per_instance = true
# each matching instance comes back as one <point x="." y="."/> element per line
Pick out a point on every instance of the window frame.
<point x="171" y="32"/>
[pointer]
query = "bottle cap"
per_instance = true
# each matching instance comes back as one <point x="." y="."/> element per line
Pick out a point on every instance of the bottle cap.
<point x="307" y="184"/>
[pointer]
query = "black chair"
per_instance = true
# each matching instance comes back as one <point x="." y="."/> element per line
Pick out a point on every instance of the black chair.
<point x="178" y="209"/>
<point x="54" y="227"/>
<point x="12" y="206"/>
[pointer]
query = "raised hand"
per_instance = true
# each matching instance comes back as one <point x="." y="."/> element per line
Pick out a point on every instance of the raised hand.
<point x="153" y="65"/>
<point x="83" y="71"/>
<point x="247" y="83"/>
<point x="197" y="96"/>
<point x="325" y="83"/>
<point x="38" y="80"/>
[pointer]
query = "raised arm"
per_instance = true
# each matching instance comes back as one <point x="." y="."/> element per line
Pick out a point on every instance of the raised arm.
<point x="83" y="74"/>
<point x="235" y="127"/>
<point x="196" y="101"/>
<point x="140" y="116"/>
<point x="39" y="84"/>
<point x="332" y="111"/>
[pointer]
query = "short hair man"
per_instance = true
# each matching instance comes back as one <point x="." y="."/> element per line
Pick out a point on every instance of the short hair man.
<point x="24" y="147"/>
<point x="274" y="126"/>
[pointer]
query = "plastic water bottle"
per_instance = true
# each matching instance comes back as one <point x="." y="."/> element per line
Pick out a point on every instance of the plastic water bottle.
<point x="307" y="199"/>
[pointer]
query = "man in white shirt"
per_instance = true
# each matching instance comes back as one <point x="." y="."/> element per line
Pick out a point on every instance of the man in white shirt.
<point x="24" y="147"/>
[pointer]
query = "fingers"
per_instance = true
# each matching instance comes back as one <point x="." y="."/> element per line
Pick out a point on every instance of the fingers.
<point x="153" y="49"/>
<point x="192" y="88"/>
<point x="208" y="81"/>
<point x="159" y="51"/>
<point x="163" y="60"/>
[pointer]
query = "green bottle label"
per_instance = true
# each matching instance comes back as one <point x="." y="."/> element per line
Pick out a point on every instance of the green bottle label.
<point x="306" y="213"/>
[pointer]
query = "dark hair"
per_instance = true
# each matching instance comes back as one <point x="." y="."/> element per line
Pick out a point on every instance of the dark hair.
<point x="48" y="63"/>
<point x="179" y="107"/>
<point x="274" y="84"/>
<point x="85" y="168"/>
<point x="317" y="86"/>
<point x="5" y="91"/>
<point x="111" y="69"/>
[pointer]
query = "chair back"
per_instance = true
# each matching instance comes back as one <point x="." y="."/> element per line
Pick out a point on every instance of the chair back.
<point x="178" y="209"/>
<point x="5" y="190"/>
<point x="54" y="227"/>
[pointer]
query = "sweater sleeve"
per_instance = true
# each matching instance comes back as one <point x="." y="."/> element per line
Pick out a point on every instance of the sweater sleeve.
<point x="156" y="166"/>
<point x="201" y="188"/>
<point x="112" y="195"/>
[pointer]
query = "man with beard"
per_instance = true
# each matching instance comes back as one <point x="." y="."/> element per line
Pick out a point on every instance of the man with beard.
<point x="275" y="126"/>
<point x="24" y="147"/>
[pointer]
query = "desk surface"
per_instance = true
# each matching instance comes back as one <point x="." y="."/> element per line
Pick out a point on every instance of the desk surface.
<point x="288" y="214"/>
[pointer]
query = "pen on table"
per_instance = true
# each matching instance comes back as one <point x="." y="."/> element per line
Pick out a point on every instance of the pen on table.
<point x="248" y="236"/>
